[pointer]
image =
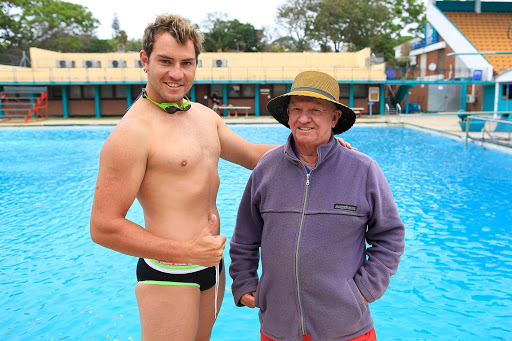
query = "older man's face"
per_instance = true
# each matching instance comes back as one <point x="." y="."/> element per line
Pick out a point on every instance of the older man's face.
<point x="311" y="120"/>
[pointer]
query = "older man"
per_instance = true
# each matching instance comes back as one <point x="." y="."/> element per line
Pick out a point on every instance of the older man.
<point x="311" y="206"/>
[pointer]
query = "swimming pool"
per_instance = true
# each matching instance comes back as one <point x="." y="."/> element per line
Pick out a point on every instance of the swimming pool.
<point x="454" y="281"/>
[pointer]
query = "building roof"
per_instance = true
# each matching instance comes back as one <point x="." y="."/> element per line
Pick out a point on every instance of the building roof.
<point x="260" y="67"/>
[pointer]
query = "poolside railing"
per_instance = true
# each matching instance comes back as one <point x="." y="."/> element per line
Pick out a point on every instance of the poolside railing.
<point x="130" y="75"/>
<point x="489" y="133"/>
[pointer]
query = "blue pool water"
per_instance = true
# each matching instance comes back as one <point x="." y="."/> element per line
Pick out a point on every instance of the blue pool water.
<point x="454" y="281"/>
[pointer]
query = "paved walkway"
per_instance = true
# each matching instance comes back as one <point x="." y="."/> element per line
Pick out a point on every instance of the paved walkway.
<point x="446" y="125"/>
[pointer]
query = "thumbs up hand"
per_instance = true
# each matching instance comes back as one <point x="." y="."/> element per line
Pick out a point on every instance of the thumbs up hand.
<point x="207" y="247"/>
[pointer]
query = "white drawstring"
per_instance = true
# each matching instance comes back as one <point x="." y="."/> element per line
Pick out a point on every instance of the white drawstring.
<point x="216" y="287"/>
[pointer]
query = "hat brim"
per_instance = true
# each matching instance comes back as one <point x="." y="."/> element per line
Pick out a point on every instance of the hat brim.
<point x="278" y="106"/>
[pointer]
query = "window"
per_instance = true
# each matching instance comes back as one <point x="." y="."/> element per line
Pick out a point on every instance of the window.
<point x="344" y="90"/>
<point x="241" y="90"/>
<point x="120" y="91"/>
<point x="234" y="90"/>
<point x="360" y="90"/>
<point x="218" y="88"/>
<point x="505" y="90"/>
<point x="441" y="60"/>
<point x="107" y="91"/>
<point x="88" y="92"/>
<point x="75" y="92"/>
<point x="136" y="90"/>
<point x="248" y="90"/>
<point x="55" y="92"/>
<point x="278" y="89"/>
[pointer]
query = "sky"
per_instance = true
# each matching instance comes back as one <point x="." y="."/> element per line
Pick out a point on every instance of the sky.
<point x="134" y="16"/>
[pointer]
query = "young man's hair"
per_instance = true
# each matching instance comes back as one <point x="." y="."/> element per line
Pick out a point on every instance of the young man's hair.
<point x="178" y="27"/>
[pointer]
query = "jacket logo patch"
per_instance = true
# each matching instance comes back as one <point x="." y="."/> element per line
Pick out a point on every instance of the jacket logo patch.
<point x="345" y="207"/>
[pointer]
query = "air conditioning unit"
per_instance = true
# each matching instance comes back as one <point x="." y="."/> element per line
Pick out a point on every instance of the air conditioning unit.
<point x="220" y="63"/>
<point x="138" y="63"/>
<point x="470" y="98"/>
<point x="63" y="64"/>
<point x="91" y="63"/>
<point x="117" y="63"/>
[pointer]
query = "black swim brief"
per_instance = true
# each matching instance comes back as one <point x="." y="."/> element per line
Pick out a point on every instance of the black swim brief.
<point x="150" y="271"/>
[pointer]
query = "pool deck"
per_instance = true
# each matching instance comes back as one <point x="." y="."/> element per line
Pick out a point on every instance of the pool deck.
<point x="446" y="125"/>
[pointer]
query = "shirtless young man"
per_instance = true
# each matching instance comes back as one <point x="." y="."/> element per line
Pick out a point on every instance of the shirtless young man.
<point x="169" y="162"/>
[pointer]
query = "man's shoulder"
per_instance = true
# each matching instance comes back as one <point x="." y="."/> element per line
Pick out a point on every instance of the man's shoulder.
<point x="132" y="121"/>
<point x="205" y="114"/>
<point x="134" y="125"/>
<point x="354" y="158"/>
<point x="202" y="108"/>
<point x="270" y="157"/>
<point x="357" y="155"/>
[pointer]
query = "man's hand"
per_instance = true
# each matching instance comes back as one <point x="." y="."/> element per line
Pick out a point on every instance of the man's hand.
<point x="248" y="299"/>
<point x="207" y="248"/>
<point x="345" y="143"/>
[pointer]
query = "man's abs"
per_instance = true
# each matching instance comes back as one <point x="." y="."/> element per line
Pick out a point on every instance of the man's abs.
<point x="177" y="203"/>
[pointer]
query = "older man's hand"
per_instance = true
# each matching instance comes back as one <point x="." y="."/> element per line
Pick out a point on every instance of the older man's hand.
<point x="345" y="143"/>
<point x="248" y="299"/>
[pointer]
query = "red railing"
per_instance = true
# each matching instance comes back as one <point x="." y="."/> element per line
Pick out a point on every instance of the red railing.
<point x="26" y="107"/>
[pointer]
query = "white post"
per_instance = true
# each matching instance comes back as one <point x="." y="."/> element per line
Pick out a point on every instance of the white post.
<point x="496" y="94"/>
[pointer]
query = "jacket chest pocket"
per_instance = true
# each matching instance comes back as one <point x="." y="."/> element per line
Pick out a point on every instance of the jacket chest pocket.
<point x="337" y="225"/>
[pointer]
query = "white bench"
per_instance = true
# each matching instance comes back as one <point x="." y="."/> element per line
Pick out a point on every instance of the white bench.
<point x="230" y="108"/>
<point x="358" y="111"/>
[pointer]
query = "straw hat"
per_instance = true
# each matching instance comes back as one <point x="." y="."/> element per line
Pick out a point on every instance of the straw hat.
<point x="318" y="85"/>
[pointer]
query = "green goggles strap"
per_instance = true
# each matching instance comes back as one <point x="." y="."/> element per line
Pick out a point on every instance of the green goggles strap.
<point x="170" y="108"/>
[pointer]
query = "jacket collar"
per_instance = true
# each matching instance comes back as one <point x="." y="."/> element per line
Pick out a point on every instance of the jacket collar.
<point x="323" y="150"/>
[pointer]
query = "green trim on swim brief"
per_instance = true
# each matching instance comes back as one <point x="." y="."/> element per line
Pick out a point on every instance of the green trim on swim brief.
<point x="173" y="266"/>
<point x="170" y="283"/>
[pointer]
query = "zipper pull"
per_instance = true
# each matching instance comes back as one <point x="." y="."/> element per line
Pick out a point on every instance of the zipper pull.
<point x="307" y="179"/>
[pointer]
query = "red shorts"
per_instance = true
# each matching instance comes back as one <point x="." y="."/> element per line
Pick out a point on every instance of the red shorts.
<point x="370" y="336"/>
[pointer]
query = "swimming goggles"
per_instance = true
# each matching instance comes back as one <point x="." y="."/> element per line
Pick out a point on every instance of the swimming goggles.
<point x="170" y="108"/>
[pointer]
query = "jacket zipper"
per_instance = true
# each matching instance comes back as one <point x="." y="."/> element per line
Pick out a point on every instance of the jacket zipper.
<point x="297" y="256"/>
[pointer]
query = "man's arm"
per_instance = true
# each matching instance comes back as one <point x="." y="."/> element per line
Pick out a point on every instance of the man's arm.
<point x="245" y="249"/>
<point x="122" y="167"/>
<point x="244" y="153"/>
<point x="385" y="234"/>
<point x="238" y="150"/>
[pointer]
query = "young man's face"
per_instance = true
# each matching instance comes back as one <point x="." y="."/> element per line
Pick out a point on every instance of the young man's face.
<point x="171" y="69"/>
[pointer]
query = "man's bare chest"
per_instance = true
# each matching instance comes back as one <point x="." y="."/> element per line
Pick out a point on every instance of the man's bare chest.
<point x="184" y="148"/>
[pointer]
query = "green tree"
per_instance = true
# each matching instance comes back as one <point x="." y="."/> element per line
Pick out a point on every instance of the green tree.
<point x="356" y="24"/>
<point x="231" y="35"/>
<point x="92" y="44"/>
<point x="116" y="26"/>
<point x="282" y="44"/>
<point x="134" y="45"/>
<point x="50" y="24"/>
<point x="297" y="17"/>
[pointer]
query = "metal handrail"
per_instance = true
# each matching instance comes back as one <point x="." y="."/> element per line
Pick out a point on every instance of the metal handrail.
<point x="484" y="130"/>
<point x="398" y="110"/>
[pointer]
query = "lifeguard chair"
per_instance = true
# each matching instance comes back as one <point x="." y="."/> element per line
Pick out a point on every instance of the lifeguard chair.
<point x="24" y="102"/>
